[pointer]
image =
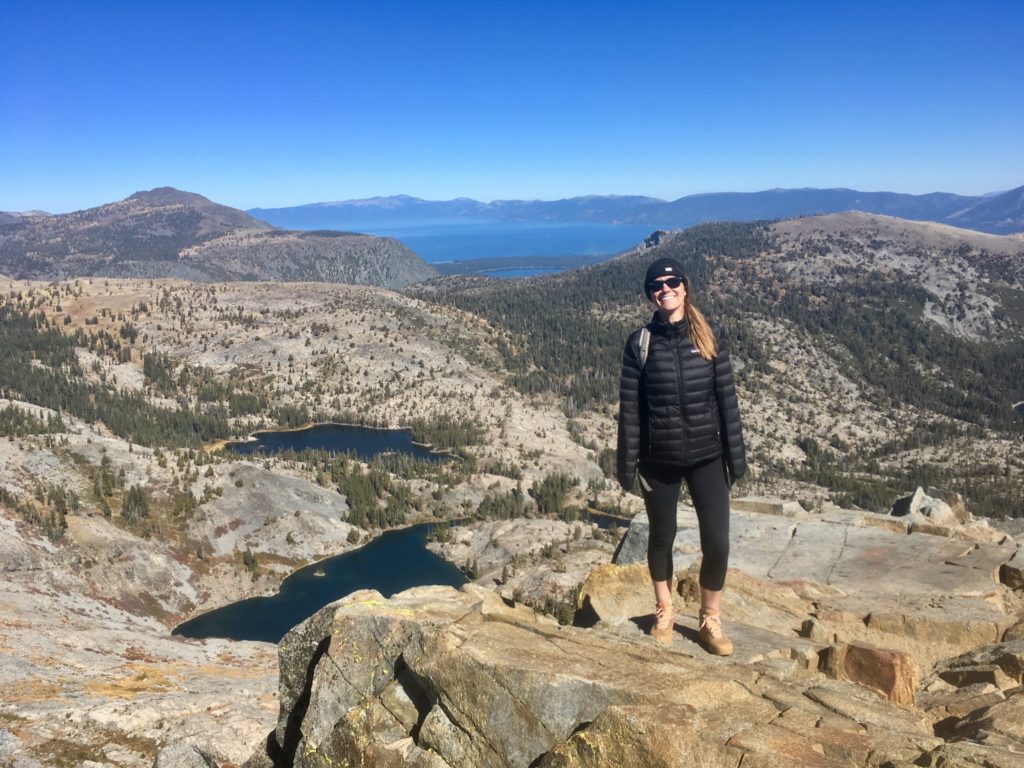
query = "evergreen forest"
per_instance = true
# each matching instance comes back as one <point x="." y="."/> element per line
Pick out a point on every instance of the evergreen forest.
<point x="563" y="335"/>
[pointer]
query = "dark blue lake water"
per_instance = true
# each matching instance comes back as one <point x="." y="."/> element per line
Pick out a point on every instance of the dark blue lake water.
<point x="436" y="242"/>
<point x="394" y="561"/>
<point x="363" y="441"/>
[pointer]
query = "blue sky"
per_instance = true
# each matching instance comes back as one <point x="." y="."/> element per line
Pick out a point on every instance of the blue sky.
<point x="266" y="104"/>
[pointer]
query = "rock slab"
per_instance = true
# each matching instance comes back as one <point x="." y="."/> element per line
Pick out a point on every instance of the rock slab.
<point x="459" y="679"/>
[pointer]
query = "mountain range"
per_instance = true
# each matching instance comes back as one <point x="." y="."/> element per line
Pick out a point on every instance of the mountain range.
<point x="1001" y="213"/>
<point x="165" y="232"/>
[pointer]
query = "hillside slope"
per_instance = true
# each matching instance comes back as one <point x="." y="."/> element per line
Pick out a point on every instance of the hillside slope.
<point x="107" y="390"/>
<point x="876" y="353"/>
<point x="169" y="233"/>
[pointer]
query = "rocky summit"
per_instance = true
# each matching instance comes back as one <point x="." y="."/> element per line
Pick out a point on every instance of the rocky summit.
<point x="859" y="642"/>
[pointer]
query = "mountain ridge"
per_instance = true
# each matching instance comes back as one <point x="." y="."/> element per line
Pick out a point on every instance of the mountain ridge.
<point x="1001" y="213"/>
<point x="166" y="232"/>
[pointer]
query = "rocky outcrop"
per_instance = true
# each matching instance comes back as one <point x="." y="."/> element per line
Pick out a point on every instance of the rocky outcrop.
<point x="532" y="560"/>
<point x="77" y="670"/>
<point x="931" y="623"/>
<point x="438" y="677"/>
<point x="856" y="645"/>
<point x="88" y="674"/>
<point x="841" y="577"/>
<point x="935" y="507"/>
<point x="1012" y="571"/>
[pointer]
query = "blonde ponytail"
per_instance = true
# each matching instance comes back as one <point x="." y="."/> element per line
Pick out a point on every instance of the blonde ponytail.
<point x="700" y="331"/>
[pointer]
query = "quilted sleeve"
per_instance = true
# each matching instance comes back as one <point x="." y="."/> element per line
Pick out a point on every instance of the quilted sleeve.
<point x="731" y="428"/>
<point x="628" y="448"/>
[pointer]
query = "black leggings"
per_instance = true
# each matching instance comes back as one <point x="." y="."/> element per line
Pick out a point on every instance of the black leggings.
<point x="709" y="491"/>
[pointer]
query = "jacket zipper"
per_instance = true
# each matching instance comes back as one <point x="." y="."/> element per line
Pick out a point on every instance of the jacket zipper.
<point x="682" y="389"/>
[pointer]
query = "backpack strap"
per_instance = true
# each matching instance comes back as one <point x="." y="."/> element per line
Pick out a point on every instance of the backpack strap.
<point x="645" y="342"/>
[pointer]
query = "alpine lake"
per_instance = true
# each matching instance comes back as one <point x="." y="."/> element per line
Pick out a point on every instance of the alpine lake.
<point x="394" y="561"/>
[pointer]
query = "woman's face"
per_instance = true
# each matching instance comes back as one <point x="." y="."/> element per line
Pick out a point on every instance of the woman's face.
<point x="671" y="302"/>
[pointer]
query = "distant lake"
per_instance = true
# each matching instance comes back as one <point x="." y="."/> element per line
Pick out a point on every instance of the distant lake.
<point x="363" y="441"/>
<point x="437" y="242"/>
<point x="522" y="272"/>
<point x="394" y="561"/>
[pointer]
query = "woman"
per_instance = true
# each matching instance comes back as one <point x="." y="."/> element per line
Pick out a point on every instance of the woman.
<point x="679" y="421"/>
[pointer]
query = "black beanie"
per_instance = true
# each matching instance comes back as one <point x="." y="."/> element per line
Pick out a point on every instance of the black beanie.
<point x="664" y="268"/>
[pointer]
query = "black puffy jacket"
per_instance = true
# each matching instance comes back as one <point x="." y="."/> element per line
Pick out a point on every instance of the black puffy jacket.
<point x="680" y="408"/>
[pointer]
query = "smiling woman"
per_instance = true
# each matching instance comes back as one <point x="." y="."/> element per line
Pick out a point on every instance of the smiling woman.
<point x="679" y="421"/>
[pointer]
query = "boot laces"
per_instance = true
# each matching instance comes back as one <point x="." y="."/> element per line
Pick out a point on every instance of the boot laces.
<point x="711" y="623"/>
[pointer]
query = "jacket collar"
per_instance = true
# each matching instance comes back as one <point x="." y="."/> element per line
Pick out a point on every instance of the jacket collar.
<point x="662" y="328"/>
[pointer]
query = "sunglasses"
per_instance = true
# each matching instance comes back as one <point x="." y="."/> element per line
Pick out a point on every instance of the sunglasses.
<point x="670" y="282"/>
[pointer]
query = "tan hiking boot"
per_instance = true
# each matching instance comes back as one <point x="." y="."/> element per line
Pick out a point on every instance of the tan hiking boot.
<point x="664" y="622"/>
<point x="711" y="635"/>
